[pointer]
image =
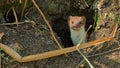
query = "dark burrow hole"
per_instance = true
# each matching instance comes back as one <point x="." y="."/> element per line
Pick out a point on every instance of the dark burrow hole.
<point x="60" y="25"/>
<point x="9" y="17"/>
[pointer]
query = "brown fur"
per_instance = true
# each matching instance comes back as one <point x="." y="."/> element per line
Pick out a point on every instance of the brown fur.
<point x="77" y="29"/>
<point x="75" y="22"/>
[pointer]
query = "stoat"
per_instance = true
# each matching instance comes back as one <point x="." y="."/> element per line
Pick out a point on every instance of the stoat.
<point x="77" y="29"/>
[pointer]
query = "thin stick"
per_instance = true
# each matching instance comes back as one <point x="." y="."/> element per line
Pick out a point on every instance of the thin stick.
<point x="1" y="35"/>
<point x="24" y="6"/>
<point x="83" y="36"/>
<point x="6" y="16"/>
<point x="103" y="52"/>
<point x="0" y="61"/>
<point x="20" y="1"/>
<point x="15" y="15"/>
<point x="14" y="23"/>
<point x="91" y="66"/>
<point x="52" y="33"/>
<point x="85" y="5"/>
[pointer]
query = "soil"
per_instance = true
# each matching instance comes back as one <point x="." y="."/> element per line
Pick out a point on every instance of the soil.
<point x="27" y="39"/>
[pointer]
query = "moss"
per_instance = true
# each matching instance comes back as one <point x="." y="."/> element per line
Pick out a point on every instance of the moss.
<point x="52" y="6"/>
<point x="117" y="20"/>
<point x="111" y="15"/>
<point x="89" y="2"/>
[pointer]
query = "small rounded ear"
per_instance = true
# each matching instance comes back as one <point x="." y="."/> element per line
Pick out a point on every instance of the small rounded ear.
<point x="69" y="18"/>
<point x="84" y="19"/>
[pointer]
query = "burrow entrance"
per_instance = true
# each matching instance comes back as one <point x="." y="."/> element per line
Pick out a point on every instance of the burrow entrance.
<point x="60" y="25"/>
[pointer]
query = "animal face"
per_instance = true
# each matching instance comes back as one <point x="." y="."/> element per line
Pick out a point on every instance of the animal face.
<point x="76" y="22"/>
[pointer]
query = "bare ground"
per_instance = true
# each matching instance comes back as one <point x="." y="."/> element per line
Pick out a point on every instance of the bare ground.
<point x="27" y="40"/>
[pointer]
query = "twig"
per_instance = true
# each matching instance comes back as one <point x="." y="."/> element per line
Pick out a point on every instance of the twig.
<point x="20" y="1"/>
<point x="103" y="53"/>
<point x="91" y="66"/>
<point x="80" y="63"/>
<point x="6" y="16"/>
<point x="1" y="35"/>
<point x="14" y="23"/>
<point x="0" y="61"/>
<point x="83" y="36"/>
<point x="84" y="3"/>
<point x="52" y="33"/>
<point x="15" y="15"/>
<point x="24" y="6"/>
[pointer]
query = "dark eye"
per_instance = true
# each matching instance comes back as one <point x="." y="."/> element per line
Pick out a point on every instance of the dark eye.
<point x="72" y="22"/>
<point x="80" y="22"/>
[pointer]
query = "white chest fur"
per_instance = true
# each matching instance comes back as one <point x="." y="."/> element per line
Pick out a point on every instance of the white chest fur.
<point x="79" y="35"/>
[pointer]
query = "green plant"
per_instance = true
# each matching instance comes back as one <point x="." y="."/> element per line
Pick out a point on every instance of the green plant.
<point x="89" y="2"/>
<point x="118" y="20"/>
<point x="112" y="16"/>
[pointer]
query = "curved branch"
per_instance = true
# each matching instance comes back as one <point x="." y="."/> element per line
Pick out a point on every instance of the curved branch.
<point x="53" y="53"/>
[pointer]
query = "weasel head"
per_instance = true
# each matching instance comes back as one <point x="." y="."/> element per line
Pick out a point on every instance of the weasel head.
<point x="76" y="22"/>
